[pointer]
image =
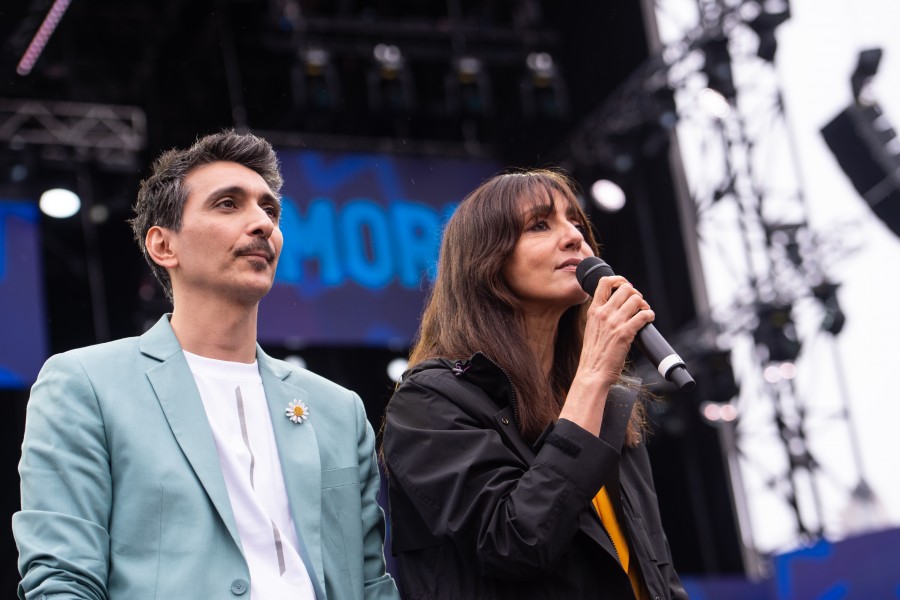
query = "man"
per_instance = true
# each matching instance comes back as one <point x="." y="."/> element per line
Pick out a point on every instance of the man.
<point x="186" y="463"/>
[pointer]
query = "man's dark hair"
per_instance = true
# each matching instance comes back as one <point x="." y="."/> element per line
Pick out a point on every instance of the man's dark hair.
<point x="161" y="198"/>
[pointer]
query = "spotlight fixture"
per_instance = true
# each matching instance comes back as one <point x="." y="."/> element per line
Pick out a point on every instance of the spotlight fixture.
<point x="390" y="88"/>
<point x="59" y="203"/>
<point x="608" y="196"/>
<point x="866" y="68"/>
<point x="396" y="368"/>
<point x="714" y="103"/>
<point x="316" y="83"/>
<point x="295" y="360"/>
<point x="468" y="89"/>
<point x="834" y="318"/>
<point x="776" y="334"/>
<point x="771" y="14"/>
<point x="867" y="148"/>
<point x="543" y="92"/>
<point x="716" y="414"/>
<point x="717" y="67"/>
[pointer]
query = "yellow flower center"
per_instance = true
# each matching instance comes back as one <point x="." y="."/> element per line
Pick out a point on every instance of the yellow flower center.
<point x="298" y="411"/>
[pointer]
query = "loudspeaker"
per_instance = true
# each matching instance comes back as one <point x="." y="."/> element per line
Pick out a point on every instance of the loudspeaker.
<point x="867" y="148"/>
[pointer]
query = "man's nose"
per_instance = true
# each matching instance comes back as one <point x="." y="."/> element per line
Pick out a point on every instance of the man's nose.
<point x="261" y="223"/>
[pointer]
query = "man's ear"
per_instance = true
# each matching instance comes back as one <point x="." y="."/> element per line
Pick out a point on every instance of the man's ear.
<point x="159" y="246"/>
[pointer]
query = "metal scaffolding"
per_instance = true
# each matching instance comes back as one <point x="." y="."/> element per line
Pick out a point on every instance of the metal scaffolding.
<point x="110" y="135"/>
<point x="712" y="90"/>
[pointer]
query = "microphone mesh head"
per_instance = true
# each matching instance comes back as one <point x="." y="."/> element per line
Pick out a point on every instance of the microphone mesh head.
<point x="589" y="271"/>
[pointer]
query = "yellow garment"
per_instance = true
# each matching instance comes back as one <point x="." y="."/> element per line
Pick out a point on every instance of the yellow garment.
<point x="608" y="517"/>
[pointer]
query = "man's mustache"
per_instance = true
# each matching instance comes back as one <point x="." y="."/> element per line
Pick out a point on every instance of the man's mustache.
<point x="257" y="247"/>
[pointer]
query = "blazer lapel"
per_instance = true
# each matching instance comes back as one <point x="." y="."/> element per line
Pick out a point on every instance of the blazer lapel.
<point x="298" y="450"/>
<point x="178" y="396"/>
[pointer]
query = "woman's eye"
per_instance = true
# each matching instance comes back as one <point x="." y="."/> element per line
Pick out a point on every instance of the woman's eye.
<point x="540" y="226"/>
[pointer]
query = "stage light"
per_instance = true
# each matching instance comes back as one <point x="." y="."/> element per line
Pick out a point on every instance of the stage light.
<point x="608" y="196"/>
<point x="396" y="368"/>
<point x="59" y="203"/>
<point x="316" y="83"/>
<point x="295" y="360"/>
<point x="715" y="376"/>
<point x="866" y="147"/>
<point x="769" y="15"/>
<point x="776" y="334"/>
<point x="98" y="214"/>
<point x="834" y="318"/>
<point x="390" y="85"/>
<point x="714" y="103"/>
<point x="389" y="58"/>
<point x="468" y="88"/>
<point x="866" y="68"/>
<point x="716" y="413"/>
<point x="717" y="67"/>
<point x="543" y="91"/>
<point x="48" y="26"/>
<point x="788" y="370"/>
<point x="18" y="173"/>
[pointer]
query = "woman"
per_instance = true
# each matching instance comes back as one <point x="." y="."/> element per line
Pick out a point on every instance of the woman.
<point x="514" y="446"/>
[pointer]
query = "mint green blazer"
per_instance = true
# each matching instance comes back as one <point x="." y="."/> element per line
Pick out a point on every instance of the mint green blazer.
<point x="123" y="496"/>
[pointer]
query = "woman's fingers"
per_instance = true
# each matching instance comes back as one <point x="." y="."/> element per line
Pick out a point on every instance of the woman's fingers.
<point x="618" y="309"/>
<point x="607" y="286"/>
<point x="617" y="291"/>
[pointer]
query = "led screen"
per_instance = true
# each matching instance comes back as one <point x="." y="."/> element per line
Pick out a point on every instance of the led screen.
<point x="24" y="346"/>
<point x="361" y="239"/>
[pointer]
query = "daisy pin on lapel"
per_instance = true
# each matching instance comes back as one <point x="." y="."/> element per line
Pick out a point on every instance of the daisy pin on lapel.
<point x="297" y="411"/>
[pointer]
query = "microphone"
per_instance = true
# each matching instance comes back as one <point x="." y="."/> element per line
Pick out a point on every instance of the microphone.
<point x="648" y="339"/>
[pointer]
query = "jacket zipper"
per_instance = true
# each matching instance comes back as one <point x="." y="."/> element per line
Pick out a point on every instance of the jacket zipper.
<point x="606" y="531"/>
<point x="515" y="404"/>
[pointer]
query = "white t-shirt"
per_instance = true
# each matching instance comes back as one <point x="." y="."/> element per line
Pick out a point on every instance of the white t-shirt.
<point x="238" y="415"/>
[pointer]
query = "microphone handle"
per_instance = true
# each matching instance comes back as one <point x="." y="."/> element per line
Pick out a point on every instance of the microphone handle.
<point x="655" y="347"/>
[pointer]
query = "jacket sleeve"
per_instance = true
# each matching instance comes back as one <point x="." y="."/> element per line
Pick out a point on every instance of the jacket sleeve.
<point x="61" y="530"/>
<point x="509" y="517"/>
<point x="378" y="583"/>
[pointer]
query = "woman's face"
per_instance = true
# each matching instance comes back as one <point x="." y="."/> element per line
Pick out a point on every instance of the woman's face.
<point x="541" y="268"/>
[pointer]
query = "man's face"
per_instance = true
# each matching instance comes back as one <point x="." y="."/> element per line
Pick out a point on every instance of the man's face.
<point x="229" y="242"/>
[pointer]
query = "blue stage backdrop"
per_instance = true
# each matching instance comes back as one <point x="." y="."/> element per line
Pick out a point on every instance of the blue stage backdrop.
<point x="361" y="239"/>
<point x="22" y="322"/>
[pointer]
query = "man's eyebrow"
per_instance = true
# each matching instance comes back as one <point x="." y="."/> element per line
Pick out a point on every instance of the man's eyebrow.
<point x="236" y="190"/>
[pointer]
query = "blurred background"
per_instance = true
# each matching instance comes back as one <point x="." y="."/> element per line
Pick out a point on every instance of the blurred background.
<point x="737" y="158"/>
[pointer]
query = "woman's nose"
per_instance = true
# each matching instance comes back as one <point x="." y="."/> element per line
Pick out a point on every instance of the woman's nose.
<point x="573" y="236"/>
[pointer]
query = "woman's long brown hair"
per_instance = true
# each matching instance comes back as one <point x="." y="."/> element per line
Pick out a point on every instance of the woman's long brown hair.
<point x="471" y="307"/>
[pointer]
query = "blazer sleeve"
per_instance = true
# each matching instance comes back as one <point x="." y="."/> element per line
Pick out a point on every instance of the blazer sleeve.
<point x="378" y="584"/>
<point x="512" y="518"/>
<point x="62" y="528"/>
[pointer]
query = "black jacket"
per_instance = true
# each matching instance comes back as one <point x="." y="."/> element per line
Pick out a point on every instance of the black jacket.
<point x="478" y="513"/>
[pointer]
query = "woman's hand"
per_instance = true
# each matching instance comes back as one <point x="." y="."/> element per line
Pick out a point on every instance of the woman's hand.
<point x="617" y="313"/>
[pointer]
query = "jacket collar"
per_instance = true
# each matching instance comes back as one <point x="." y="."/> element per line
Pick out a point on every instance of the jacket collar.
<point x="159" y="342"/>
<point x="478" y="369"/>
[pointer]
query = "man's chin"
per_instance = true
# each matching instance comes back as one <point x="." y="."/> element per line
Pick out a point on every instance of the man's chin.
<point x="261" y="266"/>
